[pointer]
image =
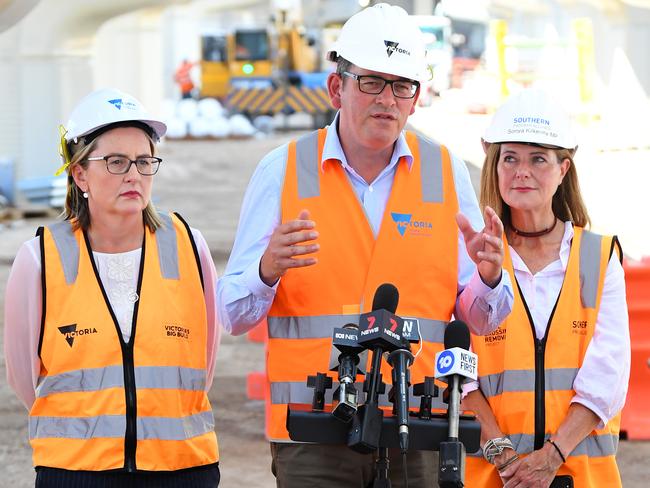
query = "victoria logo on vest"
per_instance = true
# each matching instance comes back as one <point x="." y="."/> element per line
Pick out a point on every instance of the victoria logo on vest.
<point x="407" y="225"/>
<point x="70" y="332"/>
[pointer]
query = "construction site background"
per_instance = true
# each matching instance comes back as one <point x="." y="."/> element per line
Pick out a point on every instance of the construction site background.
<point x="592" y="55"/>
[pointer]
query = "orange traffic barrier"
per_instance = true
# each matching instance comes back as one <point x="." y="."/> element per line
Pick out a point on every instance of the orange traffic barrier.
<point x="635" y="421"/>
<point x="256" y="381"/>
<point x="256" y="385"/>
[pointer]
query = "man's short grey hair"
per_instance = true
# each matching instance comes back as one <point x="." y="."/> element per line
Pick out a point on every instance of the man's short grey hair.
<point x="342" y="65"/>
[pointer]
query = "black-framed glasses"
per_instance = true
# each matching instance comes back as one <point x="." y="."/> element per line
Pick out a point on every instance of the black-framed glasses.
<point x="374" y="85"/>
<point x="119" y="165"/>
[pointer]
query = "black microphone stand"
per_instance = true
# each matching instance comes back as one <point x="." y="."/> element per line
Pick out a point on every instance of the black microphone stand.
<point x="369" y="428"/>
<point x="365" y="432"/>
<point x="375" y="387"/>
<point x="382" y="464"/>
<point x="451" y="471"/>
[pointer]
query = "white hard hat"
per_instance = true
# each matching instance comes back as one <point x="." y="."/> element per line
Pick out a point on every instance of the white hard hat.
<point x="383" y="38"/>
<point x="108" y="106"/>
<point x="531" y="116"/>
<point x="99" y="109"/>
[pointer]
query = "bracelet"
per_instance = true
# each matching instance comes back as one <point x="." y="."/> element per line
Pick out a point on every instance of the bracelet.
<point x="557" y="449"/>
<point x="496" y="446"/>
<point x="508" y="462"/>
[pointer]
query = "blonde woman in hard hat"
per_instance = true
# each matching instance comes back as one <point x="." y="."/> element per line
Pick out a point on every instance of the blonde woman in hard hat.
<point x="110" y="321"/>
<point x="555" y="373"/>
<point x="330" y="217"/>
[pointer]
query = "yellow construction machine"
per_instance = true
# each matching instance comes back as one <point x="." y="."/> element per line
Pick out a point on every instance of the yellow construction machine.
<point x="264" y="71"/>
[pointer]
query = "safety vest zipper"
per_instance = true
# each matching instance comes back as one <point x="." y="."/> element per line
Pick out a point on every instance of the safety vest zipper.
<point x="540" y="383"/>
<point x="128" y="363"/>
<point x="540" y="392"/>
<point x="130" y="436"/>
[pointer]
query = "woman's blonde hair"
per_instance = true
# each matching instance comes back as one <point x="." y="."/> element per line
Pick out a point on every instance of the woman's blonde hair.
<point x="567" y="202"/>
<point x="76" y="206"/>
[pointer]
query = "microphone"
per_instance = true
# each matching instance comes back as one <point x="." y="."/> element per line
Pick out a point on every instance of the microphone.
<point x="386" y="298"/>
<point x="452" y="365"/>
<point x="379" y="331"/>
<point x="400" y="360"/>
<point x="345" y="339"/>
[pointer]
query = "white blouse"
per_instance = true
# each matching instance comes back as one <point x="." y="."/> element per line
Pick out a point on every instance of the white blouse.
<point x="119" y="275"/>
<point x="601" y="382"/>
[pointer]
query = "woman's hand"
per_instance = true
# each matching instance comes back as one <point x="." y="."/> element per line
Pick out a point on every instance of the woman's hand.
<point x="503" y="458"/>
<point x="536" y="470"/>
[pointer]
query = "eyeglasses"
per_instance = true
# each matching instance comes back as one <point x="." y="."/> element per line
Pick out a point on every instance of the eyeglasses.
<point x="374" y="85"/>
<point x="119" y="165"/>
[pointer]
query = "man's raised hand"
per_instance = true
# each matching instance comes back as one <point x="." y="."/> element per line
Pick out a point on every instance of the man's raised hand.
<point x="288" y="241"/>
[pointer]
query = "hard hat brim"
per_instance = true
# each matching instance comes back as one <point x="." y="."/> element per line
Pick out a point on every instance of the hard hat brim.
<point x="158" y="128"/>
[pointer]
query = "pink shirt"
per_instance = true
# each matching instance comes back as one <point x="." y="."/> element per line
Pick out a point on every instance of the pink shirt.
<point x="23" y="309"/>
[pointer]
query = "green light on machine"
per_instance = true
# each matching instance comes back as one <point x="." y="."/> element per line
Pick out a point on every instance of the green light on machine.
<point x="247" y="68"/>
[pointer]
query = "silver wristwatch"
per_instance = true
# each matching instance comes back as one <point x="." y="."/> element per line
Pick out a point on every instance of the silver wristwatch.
<point x="496" y="446"/>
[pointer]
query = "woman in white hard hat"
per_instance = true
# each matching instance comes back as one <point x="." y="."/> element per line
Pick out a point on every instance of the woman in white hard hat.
<point x="110" y="323"/>
<point x="553" y="376"/>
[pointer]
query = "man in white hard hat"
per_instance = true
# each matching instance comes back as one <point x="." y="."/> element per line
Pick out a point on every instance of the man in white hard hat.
<point x="328" y="218"/>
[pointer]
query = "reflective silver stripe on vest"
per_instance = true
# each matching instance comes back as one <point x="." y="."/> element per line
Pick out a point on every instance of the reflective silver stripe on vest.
<point x="162" y="428"/>
<point x="94" y="379"/>
<point x="431" y="170"/>
<point x="299" y="392"/>
<point x="592" y="446"/>
<point x="91" y="379"/>
<point x="524" y="380"/>
<point x="321" y="327"/>
<point x="167" y="248"/>
<point x="589" y="267"/>
<point x="68" y="249"/>
<point x="307" y="165"/>
<point x="170" y="377"/>
<point x="77" y="427"/>
<point x="175" y="429"/>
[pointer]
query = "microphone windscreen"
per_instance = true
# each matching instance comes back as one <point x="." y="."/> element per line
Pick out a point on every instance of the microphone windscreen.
<point x="386" y="298"/>
<point x="351" y="326"/>
<point x="457" y="335"/>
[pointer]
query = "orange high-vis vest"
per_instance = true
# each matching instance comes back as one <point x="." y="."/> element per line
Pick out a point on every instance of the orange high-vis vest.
<point x="529" y="382"/>
<point x="102" y="404"/>
<point x="416" y="250"/>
